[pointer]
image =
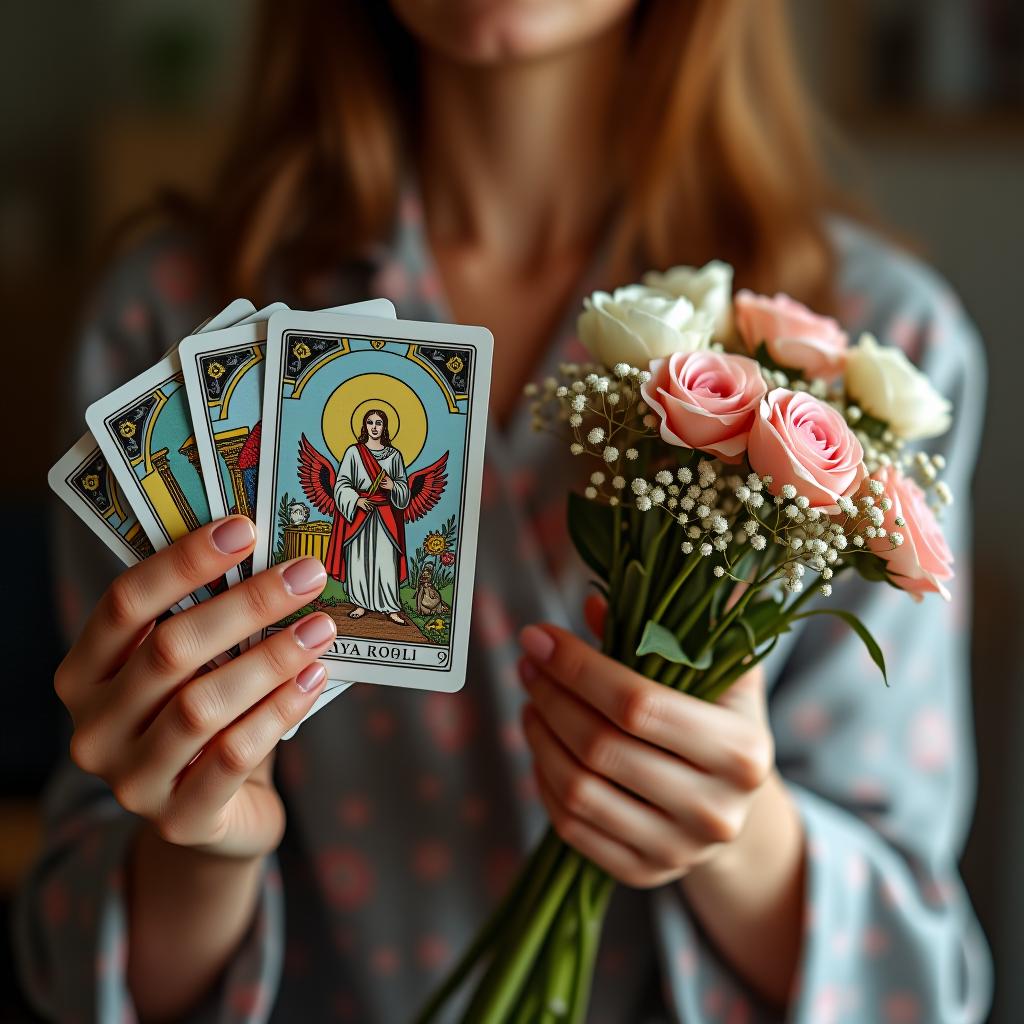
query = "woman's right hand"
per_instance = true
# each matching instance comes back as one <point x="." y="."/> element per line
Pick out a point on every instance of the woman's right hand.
<point x="185" y="747"/>
<point x="364" y="503"/>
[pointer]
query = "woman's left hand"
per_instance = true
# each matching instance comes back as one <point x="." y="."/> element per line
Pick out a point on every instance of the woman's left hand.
<point x="643" y="780"/>
<point x="386" y="483"/>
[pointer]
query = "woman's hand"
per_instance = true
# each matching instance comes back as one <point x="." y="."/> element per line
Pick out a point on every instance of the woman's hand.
<point x="645" y="781"/>
<point x="185" y="747"/>
<point x="386" y="483"/>
<point x="364" y="503"/>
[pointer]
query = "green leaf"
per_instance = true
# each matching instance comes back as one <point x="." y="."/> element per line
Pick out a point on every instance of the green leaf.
<point x="748" y="629"/>
<point x="871" y="567"/>
<point x="591" y="527"/>
<point x="658" y="640"/>
<point x="859" y="628"/>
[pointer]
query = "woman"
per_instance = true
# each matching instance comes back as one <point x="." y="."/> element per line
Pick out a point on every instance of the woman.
<point x="557" y="146"/>
<point x="373" y="536"/>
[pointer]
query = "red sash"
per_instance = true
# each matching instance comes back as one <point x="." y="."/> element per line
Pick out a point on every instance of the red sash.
<point x="392" y="518"/>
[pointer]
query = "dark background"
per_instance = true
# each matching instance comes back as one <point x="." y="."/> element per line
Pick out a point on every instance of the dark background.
<point x="103" y="101"/>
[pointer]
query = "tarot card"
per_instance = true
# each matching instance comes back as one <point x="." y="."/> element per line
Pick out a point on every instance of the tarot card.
<point x="380" y="428"/>
<point x="231" y="314"/>
<point x="83" y="481"/>
<point x="223" y="374"/>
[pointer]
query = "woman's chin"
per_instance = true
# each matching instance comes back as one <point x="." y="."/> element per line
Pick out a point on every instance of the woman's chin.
<point x="507" y="31"/>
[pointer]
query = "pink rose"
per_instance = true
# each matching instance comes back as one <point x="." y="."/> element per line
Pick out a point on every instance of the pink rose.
<point x="923" y="561"/>
<point x="706" y="400"/>
<point x="801" y="441"/>
<point x="795" y="337"/>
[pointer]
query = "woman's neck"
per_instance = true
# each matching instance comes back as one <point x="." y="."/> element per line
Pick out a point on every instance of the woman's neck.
<point x="513" y="157"/>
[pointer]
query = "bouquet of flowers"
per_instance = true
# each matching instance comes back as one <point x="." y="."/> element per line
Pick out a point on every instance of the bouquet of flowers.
<point x="743" y="456"/>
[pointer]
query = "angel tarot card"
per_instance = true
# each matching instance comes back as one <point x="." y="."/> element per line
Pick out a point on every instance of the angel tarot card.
<point x="371" y="461"/>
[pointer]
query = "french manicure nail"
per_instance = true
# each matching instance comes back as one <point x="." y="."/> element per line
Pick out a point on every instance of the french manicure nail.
<point x="537" y="644"/>
<point x="304" y="576"/>
<point x="233" y="536"/>
<point x="310" y="677"/>
<point x="315" y="631"/>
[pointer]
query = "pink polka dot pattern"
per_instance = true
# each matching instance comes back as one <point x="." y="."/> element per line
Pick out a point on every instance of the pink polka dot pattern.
<point x="347" y="877"/>
<point x="431" y="860"/>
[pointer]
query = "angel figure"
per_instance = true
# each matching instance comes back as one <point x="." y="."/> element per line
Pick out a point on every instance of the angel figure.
<point x="371" y="498"/>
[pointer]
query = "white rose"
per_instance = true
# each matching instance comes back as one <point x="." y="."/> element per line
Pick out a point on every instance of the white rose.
<point x="709" y="288"/>
<point x="887" y="385"/>
<point x="637" y="324"/>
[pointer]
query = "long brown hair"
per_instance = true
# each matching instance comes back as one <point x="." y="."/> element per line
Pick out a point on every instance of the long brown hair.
<point x="715" y="155"/>
<point x="385" y="434"/>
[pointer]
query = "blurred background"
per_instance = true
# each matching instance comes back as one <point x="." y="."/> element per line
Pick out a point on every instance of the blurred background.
<point x="104" y="101"/>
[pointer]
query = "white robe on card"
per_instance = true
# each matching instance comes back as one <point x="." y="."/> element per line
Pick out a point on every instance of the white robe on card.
<point x="371" y="556"/>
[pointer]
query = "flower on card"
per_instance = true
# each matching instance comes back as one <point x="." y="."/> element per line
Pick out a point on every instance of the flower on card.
<point x="434" y="544"/>
<point x="301" y="350"/>
<point x="126" y="428"/>
<point x="454" y="364"/>
<point x="91" y="482"/>
<point x="215" y="370"/>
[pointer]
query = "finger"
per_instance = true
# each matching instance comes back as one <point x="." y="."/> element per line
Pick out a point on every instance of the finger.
<point x="620" y="861"/>
<point x="144" y="592"/>
<point x="712" y="736"/>
<point x="183" y="644"/>
<point x="210" y="782"/>
<point x="748" y="695"/>
<point x="609" y="809"/>
<point x="702" y="804"/>
<point x="211" y="702"/>
<point x="595" y="611"/>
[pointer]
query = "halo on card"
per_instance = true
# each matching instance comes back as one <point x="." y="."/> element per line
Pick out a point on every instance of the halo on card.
<point x="344" y="410"/>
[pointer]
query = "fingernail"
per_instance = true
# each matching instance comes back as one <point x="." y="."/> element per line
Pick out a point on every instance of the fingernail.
<point x="233" y="536"/>
<point x="310" y="677"/>
<point x="302" y="577"/>
<point x="314" y="631"/>
<point x="537" y="644"/>
<point x="527" y="670"/>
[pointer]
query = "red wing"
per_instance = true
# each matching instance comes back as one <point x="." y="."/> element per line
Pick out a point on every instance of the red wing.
<point x="249" y="455"/>
<point x="316" y="475"/>
<point x="425" y="489"/>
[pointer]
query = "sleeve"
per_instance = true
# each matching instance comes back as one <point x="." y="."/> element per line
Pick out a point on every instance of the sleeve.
<point x="400" y="493"/>
<point x="71" y="937"/>
<point x="346" y="490"/>
<point x="883" y="779"/>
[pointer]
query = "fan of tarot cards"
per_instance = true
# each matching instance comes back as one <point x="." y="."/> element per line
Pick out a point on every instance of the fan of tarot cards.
<point x="295" y="419"/>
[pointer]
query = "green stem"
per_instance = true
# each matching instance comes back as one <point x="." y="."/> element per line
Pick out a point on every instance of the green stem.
<point x="501" y="987"/>
<point x="538" y="865"/>
<point x="636" y="613"/>
<point x="595" y="893"/>
<point x="670" y="593"/>
<point x="560" y="966"/>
